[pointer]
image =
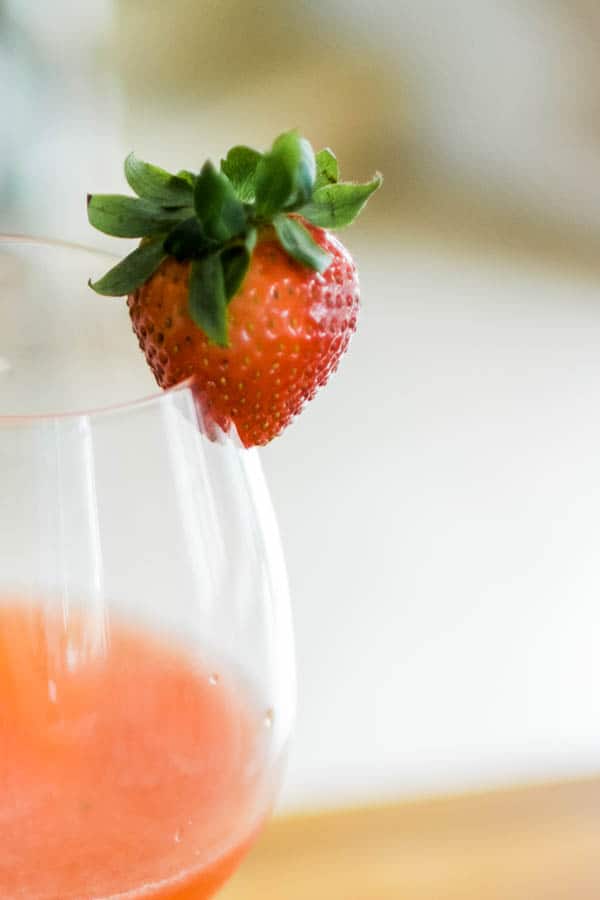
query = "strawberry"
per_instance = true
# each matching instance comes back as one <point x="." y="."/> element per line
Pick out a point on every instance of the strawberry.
<point x="237" y="284"/>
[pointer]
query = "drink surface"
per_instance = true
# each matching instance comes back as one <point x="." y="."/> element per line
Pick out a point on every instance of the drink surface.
<point x="126" y="769"/>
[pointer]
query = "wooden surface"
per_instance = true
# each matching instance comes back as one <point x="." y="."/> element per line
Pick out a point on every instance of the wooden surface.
<point x="537" y="843"/>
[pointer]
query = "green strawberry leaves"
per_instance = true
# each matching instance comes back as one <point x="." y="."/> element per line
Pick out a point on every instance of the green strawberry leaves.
<point x="131" y="217"/>
<point x="328" y="170"/>
<point x="284" y="176"/>
<point x="275" y="174"/>
<point x="251" y="239"/>
<point x="131" y="271"/>
<point x="240" y="167"/>
<point x="306" y="172"/>
<point x="187" y="176"/>
<point x="207" y="298"/>
<point x="235" y="262"/>
<point x="217" y="206"/>
<point x="337" y="205"/>
<point x="153" y="183"/>
<point x="214" y="218"/>
<point x="300" y="244"/>
<point x="188" y="240"/>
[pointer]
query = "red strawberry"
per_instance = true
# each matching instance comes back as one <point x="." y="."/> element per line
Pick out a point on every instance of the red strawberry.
<point x="288" y="327"/>
<point x="234" y="285"/>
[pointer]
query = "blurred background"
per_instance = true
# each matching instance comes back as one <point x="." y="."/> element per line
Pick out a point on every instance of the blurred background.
<point x="439" y="502"/>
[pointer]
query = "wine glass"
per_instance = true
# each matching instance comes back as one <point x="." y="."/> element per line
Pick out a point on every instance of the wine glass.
<point x="146" y="653"/>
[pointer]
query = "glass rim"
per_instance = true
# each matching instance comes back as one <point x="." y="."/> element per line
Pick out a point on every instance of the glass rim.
<point x="160" y="395"/>
<point x="36" y="240"/>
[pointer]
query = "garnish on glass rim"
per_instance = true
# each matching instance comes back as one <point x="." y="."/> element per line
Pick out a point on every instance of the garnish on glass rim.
<point x="237" y="282"/>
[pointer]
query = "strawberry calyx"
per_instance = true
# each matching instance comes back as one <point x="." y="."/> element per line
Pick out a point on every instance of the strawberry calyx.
<point x="214" y="218"/>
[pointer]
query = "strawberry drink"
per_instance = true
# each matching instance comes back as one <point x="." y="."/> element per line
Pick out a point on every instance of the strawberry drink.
<point x="134" y="771"/>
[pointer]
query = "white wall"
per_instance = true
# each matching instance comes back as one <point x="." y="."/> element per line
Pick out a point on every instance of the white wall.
<point x="439" y="507"/>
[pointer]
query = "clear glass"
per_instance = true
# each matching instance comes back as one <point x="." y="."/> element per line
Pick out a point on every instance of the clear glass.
<point x="146" y="654"/>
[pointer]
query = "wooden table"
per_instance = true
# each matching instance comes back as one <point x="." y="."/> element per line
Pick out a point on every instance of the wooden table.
<point x="535" y="843"/>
